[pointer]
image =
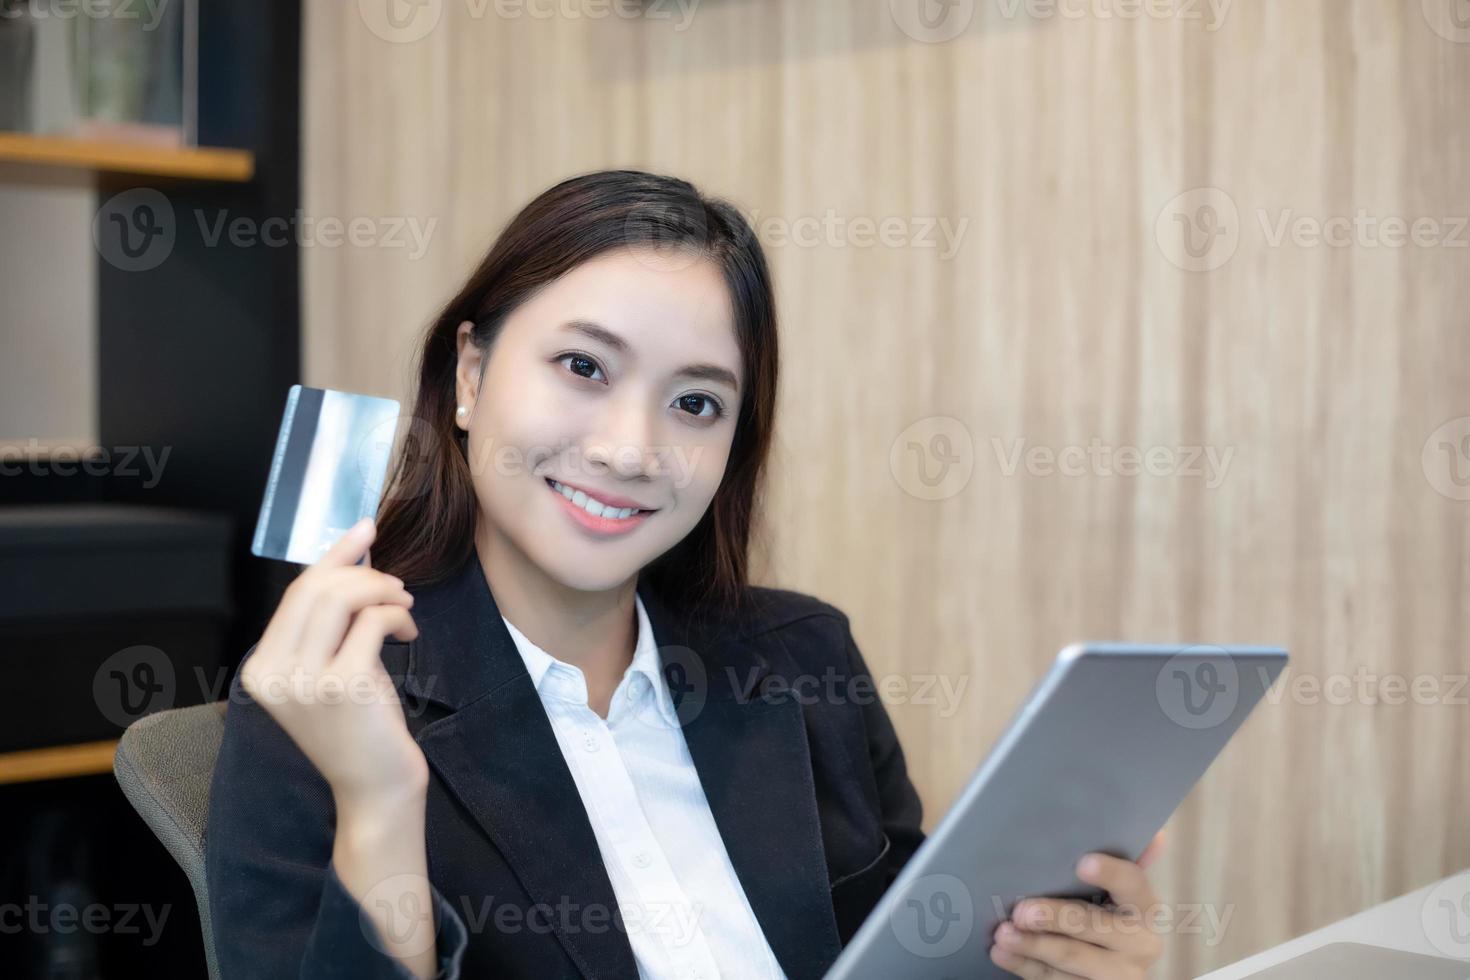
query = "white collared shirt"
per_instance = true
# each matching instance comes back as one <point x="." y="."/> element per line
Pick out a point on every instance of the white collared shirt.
<point x="686" y="914"/>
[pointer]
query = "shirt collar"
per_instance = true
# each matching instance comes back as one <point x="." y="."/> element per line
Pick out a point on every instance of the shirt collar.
<point x="554" y="678"/>
<point x="537" y="660"/>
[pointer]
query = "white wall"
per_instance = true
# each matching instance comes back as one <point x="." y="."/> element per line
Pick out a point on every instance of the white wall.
<point x="48" y="310"/>
<point x="48" y="277"/>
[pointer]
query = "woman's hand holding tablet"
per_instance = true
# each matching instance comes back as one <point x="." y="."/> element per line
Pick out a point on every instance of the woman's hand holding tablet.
<point x="1066" y="937"/>
<point x="1092" y="766"/>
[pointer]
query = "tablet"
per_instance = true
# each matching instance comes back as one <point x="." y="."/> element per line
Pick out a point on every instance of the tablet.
<point x="1101" y="754"/>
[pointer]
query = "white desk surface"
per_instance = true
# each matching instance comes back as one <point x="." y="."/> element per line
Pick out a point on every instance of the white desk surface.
<point x="1434" y="920"/>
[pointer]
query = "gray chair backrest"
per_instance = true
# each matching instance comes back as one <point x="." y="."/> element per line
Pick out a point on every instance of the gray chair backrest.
<point x="164" y="764"/>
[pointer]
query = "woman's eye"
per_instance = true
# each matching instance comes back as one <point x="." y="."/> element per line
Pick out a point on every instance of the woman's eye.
<point x="697" y="404"/>
<point x="581" y="365"/>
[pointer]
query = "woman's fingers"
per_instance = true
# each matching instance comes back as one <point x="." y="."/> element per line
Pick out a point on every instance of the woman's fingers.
<point x="336" y="597"/>
<point x="1056" y="937"/>
<point x="364" y="641"/>
<point x="1068" y="956"/>
<point x="1151" y="853"/>
<point x="317" y="672"/>
<point x="355" y="663"/>
<point x="1124" y="931"/>
<point x="352" y="545"/>
<point x="284" y="630"/>
<point x="1023" y="966"/>
<point x="1123" y="880"/>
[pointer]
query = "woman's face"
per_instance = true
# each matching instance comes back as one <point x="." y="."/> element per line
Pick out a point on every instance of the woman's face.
<point x="617" y="384"/>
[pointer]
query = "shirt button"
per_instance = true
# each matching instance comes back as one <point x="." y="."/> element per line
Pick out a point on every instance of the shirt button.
<point x="590" y="742"/>
<point x="642" y="859"/>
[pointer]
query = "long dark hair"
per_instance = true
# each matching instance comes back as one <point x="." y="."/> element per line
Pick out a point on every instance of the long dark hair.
<point x="427" y="520"/>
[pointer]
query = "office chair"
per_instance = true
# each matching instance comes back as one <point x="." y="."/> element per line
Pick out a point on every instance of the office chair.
<point x="164" y="763"/>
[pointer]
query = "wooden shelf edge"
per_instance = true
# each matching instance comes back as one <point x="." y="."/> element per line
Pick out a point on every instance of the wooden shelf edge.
<point x="192" y="163"/>
<point x="13" y="449"/>
<point x="57" y="762"/>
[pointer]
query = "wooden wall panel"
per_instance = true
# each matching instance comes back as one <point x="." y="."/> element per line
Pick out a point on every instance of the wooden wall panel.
<point x="1054" y="146"/>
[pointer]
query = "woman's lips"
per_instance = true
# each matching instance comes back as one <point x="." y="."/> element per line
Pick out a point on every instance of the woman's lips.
<point x="598" y="524"/>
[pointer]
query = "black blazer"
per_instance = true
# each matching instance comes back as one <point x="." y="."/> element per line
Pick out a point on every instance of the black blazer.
<point x="796" y="754"/>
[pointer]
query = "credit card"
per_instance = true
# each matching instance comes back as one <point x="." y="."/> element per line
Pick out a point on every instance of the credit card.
<point x="327" y="474"/>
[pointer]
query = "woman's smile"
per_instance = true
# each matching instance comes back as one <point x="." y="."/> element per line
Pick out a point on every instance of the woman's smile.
<point x="601" y="515"/>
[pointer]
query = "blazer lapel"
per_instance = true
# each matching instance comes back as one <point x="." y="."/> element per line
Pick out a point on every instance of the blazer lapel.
<point x="755" y="766"/>
<point x="498" y="754"/>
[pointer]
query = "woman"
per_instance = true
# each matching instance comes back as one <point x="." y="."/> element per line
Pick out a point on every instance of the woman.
<point x="550" y="730"/>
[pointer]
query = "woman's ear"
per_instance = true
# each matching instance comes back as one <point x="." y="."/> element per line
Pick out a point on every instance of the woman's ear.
<point x="466" y="374"/>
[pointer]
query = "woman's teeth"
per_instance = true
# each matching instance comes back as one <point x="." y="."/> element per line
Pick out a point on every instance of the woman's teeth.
<point x="592" y="506"/>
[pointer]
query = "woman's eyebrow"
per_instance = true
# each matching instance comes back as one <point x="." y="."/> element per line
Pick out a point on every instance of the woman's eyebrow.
<point x="597" y="332"/>
<point x="703" y="372"/>
<point x="710" y="372"/>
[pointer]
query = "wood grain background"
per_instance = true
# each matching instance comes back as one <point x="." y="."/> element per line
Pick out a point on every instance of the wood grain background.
<point x="1056" y="148"/>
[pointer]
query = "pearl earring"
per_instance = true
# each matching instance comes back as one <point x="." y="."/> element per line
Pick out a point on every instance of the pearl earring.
<point x="461" y="412"/>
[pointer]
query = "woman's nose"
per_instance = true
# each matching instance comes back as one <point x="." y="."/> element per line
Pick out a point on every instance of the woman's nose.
<point x="625" y="443"/>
